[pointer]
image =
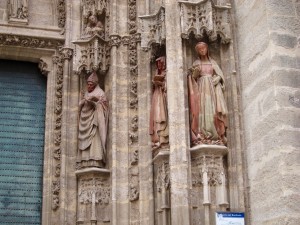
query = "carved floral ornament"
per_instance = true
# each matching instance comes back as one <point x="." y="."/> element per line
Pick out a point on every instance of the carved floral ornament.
<point x="31" y="42"/>
<point x="205" y="17"/>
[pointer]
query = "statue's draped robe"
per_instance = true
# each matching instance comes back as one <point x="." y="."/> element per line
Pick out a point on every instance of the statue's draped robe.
<point x="93" y="121"/>
<point x="207" y="104"/>
<point x="159" y="115"/>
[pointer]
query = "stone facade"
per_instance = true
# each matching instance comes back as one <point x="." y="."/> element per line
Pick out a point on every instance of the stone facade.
<point x="256" y="44"/>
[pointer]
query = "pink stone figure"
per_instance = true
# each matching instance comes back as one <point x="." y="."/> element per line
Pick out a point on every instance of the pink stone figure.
<point x="159" y="114"/>
<point x="93" y="124"/>
<point x="94" y="26"/>
<point x="208" y="110"/>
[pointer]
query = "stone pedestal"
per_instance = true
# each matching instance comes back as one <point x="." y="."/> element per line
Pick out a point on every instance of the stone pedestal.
<point x="209" y="182"/>
<point x="162" y="192"/>
<point x="93" y="198"/>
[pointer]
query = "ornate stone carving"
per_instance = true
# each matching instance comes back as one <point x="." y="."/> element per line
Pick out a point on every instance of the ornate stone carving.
<point x="153" y="28"/>
<point x="55" y="194"/>
<point x="114" y="40"/>
<point x="163" y="176"/>
<point x="93" y="48"/>
<point x="18" y="11"/>
<point x="30" y="42"/>
<point x="205" y="16"/>
<point x="67" y="53"/>
<point x="162" y="191"/>
<point x="43" y="67"/>
<point x="95" y="18"/>
<point x="133" y="105"/>
<point x="134" y="157"/>
<point x="134" y="182"/>
<point x="125" y="40"/>
<point x="61" y="8"/>
<point x="208" y="170"/>
<point x="93" y="199"/>
<point x="58" y="63"/>
<point x="93" y="55"/>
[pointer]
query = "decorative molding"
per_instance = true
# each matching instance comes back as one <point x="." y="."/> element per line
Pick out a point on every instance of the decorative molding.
<point x="93" y="199"/>
<point x="95" y="18"/>
<point x="125" y="40"/>
<point x="134" y="182"/>
<point x="29" y="42"/>
<point x="208" y="170"/>
<point x="61" y="8"/>
<point x="58" y="63"/>
<point x="163" y="176"/>
<point x="67" y="53"/>
<point x="114" y="40"/>
<point x="205" y="17"/>
<point x="131" y="41"/>
<point x="153" y="28"/>
<point x="93" y="55"/>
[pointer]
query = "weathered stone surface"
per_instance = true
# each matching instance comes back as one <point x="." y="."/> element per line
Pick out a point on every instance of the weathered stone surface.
<point x="284" y="40"/>
<point x="261" y="67"/>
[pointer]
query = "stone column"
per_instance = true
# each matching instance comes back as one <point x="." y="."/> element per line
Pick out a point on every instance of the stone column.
<point x="178" y="120"/>
<point x="119" y="115"/>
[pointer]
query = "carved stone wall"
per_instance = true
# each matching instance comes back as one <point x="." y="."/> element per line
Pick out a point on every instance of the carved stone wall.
<point x="256" y="45"/>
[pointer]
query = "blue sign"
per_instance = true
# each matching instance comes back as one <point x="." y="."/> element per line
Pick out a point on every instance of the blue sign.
<point x="230" y="218"/>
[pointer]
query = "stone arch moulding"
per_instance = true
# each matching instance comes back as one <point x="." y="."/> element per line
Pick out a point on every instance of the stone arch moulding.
<point x="47" y="53"/>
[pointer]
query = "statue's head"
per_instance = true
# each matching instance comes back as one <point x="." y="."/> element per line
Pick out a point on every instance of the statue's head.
<point x="93" y="19"/>
<point x="202" y="49"/>
<point x="161" y="63"/>
<point x="92" y="82"/>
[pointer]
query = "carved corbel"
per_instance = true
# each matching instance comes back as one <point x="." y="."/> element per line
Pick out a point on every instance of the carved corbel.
<point x="205" y="17"/>
<point x="153" y="28"/>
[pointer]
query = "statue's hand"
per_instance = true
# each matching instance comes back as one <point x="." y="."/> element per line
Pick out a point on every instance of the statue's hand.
<point x="196" y="72"/>
<point x="94" y="99"/>
<point x="216" y="80"/>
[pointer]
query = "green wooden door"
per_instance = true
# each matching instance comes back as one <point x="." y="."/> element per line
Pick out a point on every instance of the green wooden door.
<point x="22" y="126"/>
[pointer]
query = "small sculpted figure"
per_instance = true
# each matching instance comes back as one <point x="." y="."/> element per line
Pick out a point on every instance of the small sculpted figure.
<point x="18" y="9"/>
<point x="208" y="108"/>
<point x="159" y="130"/>
<point x="93" y="121"/>
<point x="94" y="26"/>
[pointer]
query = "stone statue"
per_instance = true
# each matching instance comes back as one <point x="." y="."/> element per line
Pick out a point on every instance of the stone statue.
<point x="159" y="130"/>
<point x="93" y="122"/>
<point x="18" y="9"/>
<point x="94" y="26"/>
<point x="208" y="110"/>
